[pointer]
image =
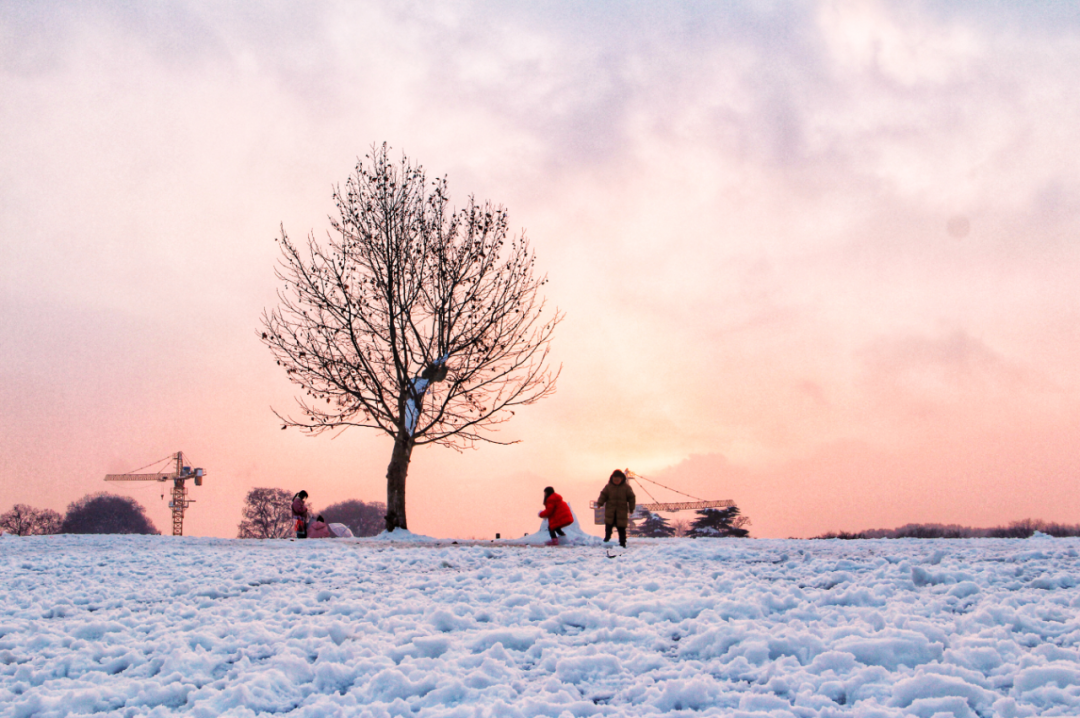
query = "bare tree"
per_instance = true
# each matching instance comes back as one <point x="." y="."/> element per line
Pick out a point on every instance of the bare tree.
<point x="47" y="522"/>
<point x="25" y="520"/>
<point x="20" y="520"/>
<point x="681" y="526"/>
<point x="362" y="518"/>
<point x="267" y="514"/>
<point x="414" y="319"/>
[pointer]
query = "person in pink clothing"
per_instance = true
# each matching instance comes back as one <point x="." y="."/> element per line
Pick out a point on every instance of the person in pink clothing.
<point x="319" y="529"/>
<point x="300" y="513"/>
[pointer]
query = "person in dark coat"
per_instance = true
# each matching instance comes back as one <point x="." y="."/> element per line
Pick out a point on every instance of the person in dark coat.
<point x="558" y="514"/>
<point x="300" y="513"/>
<point x="619" y="502"/>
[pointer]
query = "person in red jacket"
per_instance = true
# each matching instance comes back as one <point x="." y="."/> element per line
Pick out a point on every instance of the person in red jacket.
<point x="558" y="514"/>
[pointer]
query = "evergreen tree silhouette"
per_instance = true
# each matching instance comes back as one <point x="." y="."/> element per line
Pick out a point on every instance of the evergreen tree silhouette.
<point x="653" y="526"/>
<point x="716" y="523"/>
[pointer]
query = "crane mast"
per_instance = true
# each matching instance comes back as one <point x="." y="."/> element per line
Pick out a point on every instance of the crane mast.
<point x="179" y="476"/>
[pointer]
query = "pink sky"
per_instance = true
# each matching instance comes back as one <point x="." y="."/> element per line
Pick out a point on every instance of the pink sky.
<point x="820" y="259"/>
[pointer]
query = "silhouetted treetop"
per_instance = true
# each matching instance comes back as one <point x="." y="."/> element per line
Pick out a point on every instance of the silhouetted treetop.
<point x="104" y="513"/>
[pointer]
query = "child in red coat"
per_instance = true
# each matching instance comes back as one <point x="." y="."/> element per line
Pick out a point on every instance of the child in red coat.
<point x="558" y="514"/>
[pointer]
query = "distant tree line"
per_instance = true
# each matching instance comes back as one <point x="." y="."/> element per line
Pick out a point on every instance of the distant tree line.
<point x="1017" y="529"/>
<point x="709" y="523"/>
<point x="100" y="513"/>
<point x="267" y="514"/>
<point x="25" y="520"/>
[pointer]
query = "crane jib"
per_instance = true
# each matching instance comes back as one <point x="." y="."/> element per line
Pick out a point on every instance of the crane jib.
<point x="140" y="477"/>
<point x="688" y="505"/>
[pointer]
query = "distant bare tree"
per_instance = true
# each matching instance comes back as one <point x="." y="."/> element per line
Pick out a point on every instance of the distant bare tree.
<point x="20" y="521"/>
<point x="47" y="522"/>
<point x="413" y="319"/>
<point x="267" y="514"/>
<point x="681" y="526"/>
<point x="25" y="520"/>
<point x="105" y="513"/>
<point x="362" y="518"/>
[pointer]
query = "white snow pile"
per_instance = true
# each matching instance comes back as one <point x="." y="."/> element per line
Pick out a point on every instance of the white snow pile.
<point x="575" y="536"/>
<point x="161" y="626"/>
<point x="403" y="536"/>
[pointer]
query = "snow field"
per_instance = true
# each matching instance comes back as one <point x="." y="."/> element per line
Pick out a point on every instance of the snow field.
<point x="162" y="626"/>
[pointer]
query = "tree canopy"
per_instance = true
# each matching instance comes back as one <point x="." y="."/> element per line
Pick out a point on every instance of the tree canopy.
<point x="105" y="513"/>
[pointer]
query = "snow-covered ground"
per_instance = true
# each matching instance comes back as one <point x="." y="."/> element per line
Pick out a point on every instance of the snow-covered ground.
<point x="159" y="626"/>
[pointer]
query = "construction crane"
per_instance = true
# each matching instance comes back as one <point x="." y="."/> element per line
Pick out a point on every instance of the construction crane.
<point x="695" y="505"/>
<point x="179" y="476"/>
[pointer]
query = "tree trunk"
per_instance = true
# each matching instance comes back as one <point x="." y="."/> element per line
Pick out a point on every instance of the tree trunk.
<point x="395" y="481"/>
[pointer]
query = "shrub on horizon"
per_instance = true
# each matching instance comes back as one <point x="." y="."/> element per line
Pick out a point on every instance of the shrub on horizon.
<point x="105" y="513"/>
<point x="1024" y="528"/>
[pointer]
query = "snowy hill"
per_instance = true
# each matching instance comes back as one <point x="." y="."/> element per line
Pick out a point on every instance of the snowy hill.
<point x="161" y="626"/>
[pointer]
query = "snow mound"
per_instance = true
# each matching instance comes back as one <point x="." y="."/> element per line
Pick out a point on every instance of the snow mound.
<point x="403" y="536"/>
<point x="575" y="536"/>
<point x="1040" y="535"/>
